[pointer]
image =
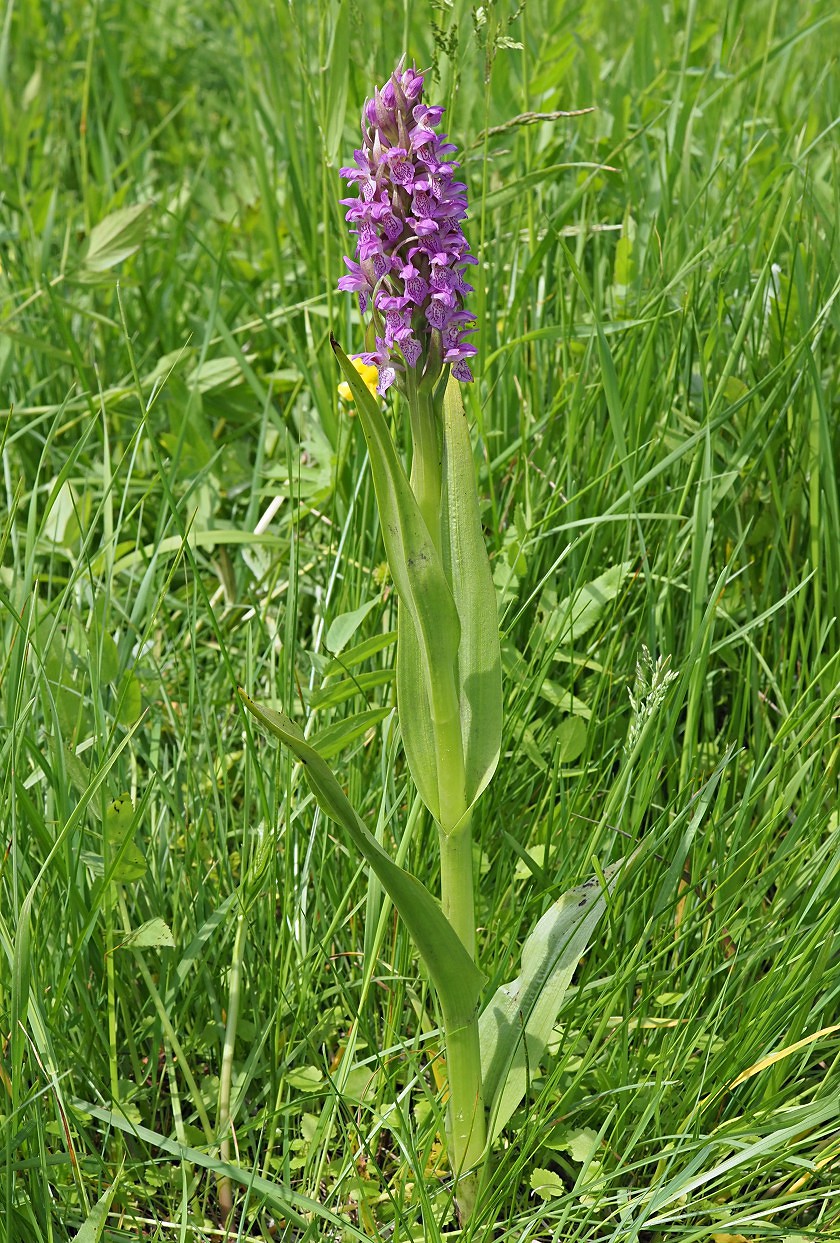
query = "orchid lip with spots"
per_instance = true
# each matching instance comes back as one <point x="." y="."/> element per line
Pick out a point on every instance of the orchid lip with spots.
<point x="411" y="253"/>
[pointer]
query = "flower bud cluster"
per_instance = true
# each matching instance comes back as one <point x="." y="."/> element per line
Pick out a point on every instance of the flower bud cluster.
<point x="411" y="253"/>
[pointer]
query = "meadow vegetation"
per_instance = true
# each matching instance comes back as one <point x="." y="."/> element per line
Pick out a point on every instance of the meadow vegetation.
<point x="211" y="1023"/>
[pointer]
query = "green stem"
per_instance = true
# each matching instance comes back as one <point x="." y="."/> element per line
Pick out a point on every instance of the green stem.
<point x="466" y="1120"/>
<point x="466" y="1124"/>
<point x="446" y="722"/>
<point x="456" y="883"/>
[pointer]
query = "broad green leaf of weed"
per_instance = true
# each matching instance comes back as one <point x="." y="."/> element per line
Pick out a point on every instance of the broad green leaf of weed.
<point x="124" y="859"/>
<point x="114" y="239"/>
<point x="578" y="614"/>
<point x="305" y="1078"/>
<point x="101" y="645"/>
<point x="343" y="627"/>
<point x="581" y="1145"/>
<point x="76" y="769"/>
<point x="360" y="652"/>
<point x="547" y="1184"/>
<point x="154" y="934"/>
<point x="130" y="702"/>
<point x="336" y="692"/>
<point x="335" y="738"/>
<point x="570" y="739"/>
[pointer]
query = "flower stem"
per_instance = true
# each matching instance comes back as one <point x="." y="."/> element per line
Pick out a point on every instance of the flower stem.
<point x="456" y="883"/>
<point x="465" y="1119"/>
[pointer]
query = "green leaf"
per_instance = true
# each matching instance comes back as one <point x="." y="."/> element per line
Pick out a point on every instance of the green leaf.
<point x="304" y="1078"/>
<point x="515" y="1026"/>
<point x="581" y="1145"/>
<point x="124" y="859"/>
<point x="336" y="692"/>
<point x="455" y="976"/>
<point x="328" y="742"/>
<point x="76" y="768"/>
<point x="130" y="702"/>
<point x="426" y="661"/>
<point x="101" y="644"/>
<point x="467" y="569"/>
<point x="94" y="1224"/>
<point x="343" y="627"/>
<point x="624" y="268"/>
<point x="415" y="712"/>
<point x="360" y="652"/>
<point x="579" y="613"/>
<point x="570" y="739"/>
<point x="547" y="1184"/>
<point x="153" y="934"/>
<point x="115" y="238"/>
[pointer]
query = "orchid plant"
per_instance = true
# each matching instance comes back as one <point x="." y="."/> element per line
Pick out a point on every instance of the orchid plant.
<point x="410" y="275"/>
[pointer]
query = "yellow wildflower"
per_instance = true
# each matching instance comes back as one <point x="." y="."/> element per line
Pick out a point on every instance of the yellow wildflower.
<point x="369" y="374"/>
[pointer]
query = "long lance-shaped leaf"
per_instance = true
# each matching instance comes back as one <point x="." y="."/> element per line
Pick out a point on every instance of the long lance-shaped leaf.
<point x="515" y="1026"/>
<point x="455" y="976"/>
<point x="426" y="599"/>
<point x="415" y="711"/>
<point x="467" y="569"/>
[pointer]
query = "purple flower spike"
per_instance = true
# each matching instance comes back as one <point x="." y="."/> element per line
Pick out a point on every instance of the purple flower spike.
<point x="411" y="251"/>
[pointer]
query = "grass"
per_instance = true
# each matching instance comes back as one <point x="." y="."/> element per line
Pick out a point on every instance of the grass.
<point x="186" y="508"/>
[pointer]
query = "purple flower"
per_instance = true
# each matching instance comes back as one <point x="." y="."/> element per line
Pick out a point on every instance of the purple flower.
<point x="411" y="252"/>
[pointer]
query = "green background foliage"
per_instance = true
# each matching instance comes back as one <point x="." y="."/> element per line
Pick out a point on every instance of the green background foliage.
<point x="186" y="507"/>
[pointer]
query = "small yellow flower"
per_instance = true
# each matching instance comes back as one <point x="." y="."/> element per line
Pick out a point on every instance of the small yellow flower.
<point x="369" y="374"/>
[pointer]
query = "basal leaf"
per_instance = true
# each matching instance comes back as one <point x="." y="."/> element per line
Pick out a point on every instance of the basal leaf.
<point x="515" y="1026"/>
